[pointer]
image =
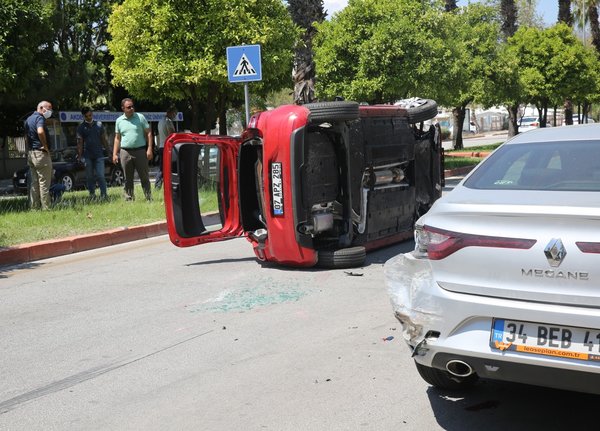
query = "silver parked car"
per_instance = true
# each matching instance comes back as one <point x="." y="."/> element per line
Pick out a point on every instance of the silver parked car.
<point x="504" y="281"/>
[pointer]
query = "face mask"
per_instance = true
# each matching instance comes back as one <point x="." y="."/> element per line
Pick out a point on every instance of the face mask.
<point x="48" y="113"/>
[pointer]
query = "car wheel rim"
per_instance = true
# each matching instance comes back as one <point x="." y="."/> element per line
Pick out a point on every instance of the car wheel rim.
<point x="118" y="178"/>
<point x="68" y="183"/>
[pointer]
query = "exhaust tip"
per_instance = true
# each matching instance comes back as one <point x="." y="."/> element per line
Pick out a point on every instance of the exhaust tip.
<point x="459" y="368"/>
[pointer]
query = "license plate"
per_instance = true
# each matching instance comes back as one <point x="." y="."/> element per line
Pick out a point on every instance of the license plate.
<point x="22" y="181"/>
<point x="543" y="339"/>
<point x="276" y="188"/>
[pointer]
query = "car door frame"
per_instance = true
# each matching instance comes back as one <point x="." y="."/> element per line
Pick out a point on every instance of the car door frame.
<point x="184" y="227"/>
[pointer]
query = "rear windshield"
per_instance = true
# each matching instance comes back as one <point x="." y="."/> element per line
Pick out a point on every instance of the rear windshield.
<point x="567" y="166"/>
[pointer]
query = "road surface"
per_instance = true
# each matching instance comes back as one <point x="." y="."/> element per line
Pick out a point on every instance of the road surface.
<point x="146" y="336"/>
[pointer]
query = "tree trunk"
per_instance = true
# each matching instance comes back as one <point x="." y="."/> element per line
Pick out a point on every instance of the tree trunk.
<point x="222" y="114"/>
<point x="450" y="5"/>
<point x="210" y="110"/>
<point x="586" y="109"/>
<point x="513" y="120"/>
<point x="543" y="113"/>
<point x="305" y="13"/>
<point x="568" y="107"/>
<point x="458" y="115"/>
<point x="564" y="12"/>
<point x="508" y="11"/>
<point x="194" y="106"/>
<point x="594" y="25"/>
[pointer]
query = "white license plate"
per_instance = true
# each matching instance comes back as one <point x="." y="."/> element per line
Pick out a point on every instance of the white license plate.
<point x="543" y="339"/>
<point x="23" y="181"/>
<point x="276" y="188"/>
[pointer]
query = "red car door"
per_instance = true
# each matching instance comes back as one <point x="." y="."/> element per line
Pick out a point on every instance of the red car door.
<point x="201" y="188"/>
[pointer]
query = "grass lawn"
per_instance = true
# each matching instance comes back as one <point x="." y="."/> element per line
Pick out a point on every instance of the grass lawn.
<point x="77" y="214"/>
<point x="451" y="162"/>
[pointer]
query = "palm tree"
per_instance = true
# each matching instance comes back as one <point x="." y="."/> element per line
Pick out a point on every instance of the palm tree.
<point x="450" y="5"/>
<point x="594" y="25"/>
<point x="508" y="12"/>
<point x="584" y="12"/>
<point x="564" y="12"/>
<point x="564" y="15"/>
<point x="304" y="14"/>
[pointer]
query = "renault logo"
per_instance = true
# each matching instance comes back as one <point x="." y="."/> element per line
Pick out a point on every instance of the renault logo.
<point x="555" y="252"/>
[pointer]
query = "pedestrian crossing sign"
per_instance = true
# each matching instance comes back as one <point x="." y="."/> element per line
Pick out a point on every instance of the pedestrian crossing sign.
<point x="244" y="63"/>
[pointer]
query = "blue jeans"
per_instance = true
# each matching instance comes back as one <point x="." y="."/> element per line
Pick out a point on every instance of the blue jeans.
<point x="96" y="165"/>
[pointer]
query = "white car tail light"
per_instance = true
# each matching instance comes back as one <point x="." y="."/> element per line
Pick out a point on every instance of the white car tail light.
<point x="589" y="247"/>
<point x="437" y="244"/>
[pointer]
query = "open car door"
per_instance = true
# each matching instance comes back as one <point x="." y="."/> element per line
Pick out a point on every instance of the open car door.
<point x="201" y="188"/>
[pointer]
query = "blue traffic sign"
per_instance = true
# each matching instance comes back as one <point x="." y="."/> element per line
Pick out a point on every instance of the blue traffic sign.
<point x="244" y="63"/>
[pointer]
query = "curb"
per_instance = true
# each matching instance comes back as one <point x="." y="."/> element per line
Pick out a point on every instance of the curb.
<point x="458" y="171"/>
<point x="481" y="154"/>
<point x="51" y="248"/>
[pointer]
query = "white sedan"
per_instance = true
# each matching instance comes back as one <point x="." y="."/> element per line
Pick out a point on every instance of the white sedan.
<point x="504" y="281"/>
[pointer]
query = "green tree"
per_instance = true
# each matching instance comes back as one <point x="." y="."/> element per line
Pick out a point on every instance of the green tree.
<point x="554" y="65"/>
<point x="471" y="35"/>
<point x="378" y="50"/>
<point x="25" y="55"/>
<point x="80" y="74"/>
<point x="502" y="86"/>
<point x="177" y="50"/>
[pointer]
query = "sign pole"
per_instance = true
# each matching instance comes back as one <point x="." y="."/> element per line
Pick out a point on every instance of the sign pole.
<point x="247" y="98"/>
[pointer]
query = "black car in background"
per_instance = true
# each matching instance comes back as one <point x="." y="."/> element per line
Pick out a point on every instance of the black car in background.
<point x="70" y="172"/>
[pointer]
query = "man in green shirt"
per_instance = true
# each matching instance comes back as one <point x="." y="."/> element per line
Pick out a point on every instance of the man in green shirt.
<point x="133" y="144"/>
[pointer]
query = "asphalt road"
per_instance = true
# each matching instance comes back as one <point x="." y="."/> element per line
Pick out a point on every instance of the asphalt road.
<point x="146" y="336"/>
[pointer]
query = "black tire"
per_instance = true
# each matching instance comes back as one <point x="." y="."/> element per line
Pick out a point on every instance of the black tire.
<point x="443" y="379"/>
<point x="117" y="178"/>
<point x="68" y="181"/>
<point x="426" y="110"/>
<point x="350" y="257"/>
<point x="332" y="111"/>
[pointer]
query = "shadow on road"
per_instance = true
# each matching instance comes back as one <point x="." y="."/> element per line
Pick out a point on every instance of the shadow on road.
<point x="492" y="406"/>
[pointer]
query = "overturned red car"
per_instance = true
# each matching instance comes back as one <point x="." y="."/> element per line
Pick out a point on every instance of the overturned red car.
<point x="316" y="184"/>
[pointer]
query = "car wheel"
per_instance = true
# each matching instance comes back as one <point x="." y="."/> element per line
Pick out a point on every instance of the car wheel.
<point x="343" y="258"/>
<point x="443" y="379"/>
<point x="332" y="111"/>
<point x="418" y="110"/>
<point x="68" y="181"/>
<point x="117" y="177"/>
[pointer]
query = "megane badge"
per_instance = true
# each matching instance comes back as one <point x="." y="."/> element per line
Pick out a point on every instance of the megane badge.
<point x="555" y="252"/>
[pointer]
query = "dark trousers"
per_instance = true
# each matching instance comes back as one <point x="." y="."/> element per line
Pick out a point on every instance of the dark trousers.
<point x="134" y="159"/>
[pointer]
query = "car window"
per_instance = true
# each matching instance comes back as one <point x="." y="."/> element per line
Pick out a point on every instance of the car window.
<point x="573" y="166"/>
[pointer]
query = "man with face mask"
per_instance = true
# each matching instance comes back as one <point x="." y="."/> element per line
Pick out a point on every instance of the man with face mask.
<point x="38" y="156"/>
<point x="91" y="140"/>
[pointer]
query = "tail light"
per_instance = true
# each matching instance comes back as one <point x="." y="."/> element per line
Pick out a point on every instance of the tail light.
<point x="436" y="244"/>
<point x="589" y="247"/>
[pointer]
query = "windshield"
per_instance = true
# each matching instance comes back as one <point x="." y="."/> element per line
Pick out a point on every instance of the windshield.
<point x="568" y="166"/>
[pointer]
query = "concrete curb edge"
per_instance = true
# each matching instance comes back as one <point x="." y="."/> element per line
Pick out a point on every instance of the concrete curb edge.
<point x="57" y="247"/>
